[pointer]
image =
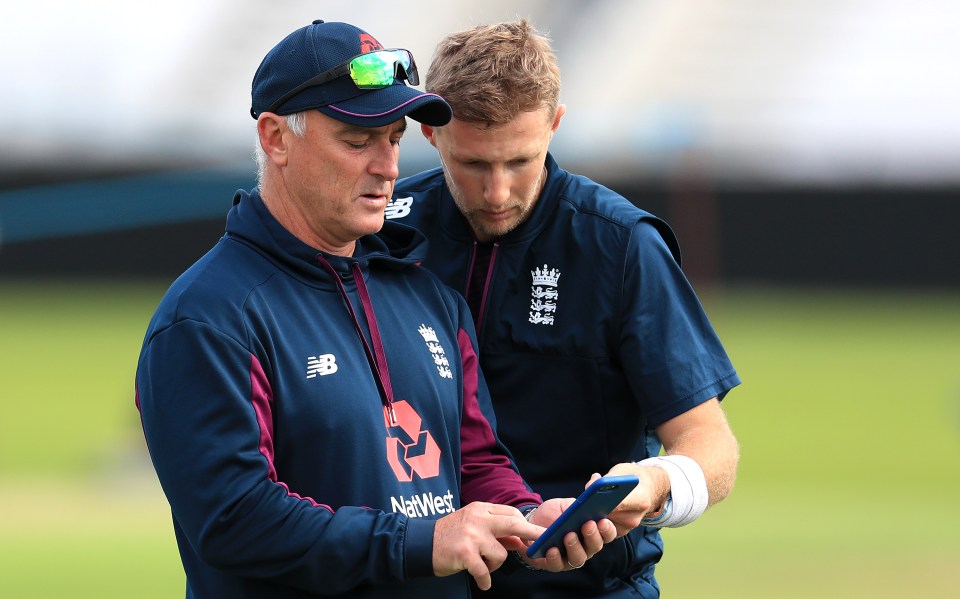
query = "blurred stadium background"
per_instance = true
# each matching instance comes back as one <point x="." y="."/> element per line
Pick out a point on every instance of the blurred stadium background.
<point x="807" y="154"/>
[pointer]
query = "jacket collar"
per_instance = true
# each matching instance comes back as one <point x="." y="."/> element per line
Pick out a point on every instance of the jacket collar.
<point x="250" y="222"/>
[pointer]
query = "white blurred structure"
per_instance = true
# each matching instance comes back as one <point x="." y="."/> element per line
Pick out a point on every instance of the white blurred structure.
<point x="804" y="91"/>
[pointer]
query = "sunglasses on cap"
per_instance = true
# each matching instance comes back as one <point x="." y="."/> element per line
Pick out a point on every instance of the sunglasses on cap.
<point x="373" y="70"/>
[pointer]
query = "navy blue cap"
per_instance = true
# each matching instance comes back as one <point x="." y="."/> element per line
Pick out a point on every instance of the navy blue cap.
<point x="321" y="46"/>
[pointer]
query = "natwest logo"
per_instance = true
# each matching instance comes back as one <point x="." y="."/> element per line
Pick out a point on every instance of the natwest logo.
<point x="426" y="504"/>
<point x="410" y="450"/>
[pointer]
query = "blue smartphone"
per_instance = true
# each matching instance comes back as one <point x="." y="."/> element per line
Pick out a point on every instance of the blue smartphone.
<point x="595" y="503"/>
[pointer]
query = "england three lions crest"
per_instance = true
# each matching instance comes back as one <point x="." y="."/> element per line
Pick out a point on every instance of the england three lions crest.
<point x="543" y="295"/>
<point x="436" y="351"/>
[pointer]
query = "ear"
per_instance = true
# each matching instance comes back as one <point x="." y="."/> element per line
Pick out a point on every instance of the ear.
<point x="270" y="129"/>
<point x="561" y="110"/>
<point x="429" y="132"/>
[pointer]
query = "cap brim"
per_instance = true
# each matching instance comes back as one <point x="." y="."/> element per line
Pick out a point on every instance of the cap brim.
<point x="380" y="107"/>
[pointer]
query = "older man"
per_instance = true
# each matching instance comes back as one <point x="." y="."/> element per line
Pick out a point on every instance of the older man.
<point x="310" y="397"/>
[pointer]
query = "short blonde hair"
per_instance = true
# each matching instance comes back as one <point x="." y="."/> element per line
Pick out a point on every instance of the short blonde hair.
<point x="491" y="73"/>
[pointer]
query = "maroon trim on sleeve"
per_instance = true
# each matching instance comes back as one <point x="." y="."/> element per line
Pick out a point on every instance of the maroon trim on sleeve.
<point x="261" y="396"/>
<point x="488" y="474"/>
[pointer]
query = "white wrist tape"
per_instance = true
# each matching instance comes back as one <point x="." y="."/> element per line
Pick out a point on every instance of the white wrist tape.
<point x="688" y="491"/>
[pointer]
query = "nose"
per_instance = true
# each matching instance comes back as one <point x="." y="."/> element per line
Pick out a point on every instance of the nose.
<point x="496" y="187"/>
<point x="385" y="160"/>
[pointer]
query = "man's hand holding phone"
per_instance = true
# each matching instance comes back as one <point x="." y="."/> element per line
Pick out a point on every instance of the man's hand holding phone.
<point x="576" y="528"/>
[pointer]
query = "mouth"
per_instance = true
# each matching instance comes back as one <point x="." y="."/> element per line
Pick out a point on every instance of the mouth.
<point x="499" y="215"/>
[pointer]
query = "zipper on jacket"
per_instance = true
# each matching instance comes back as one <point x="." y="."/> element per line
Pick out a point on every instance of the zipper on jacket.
<point x="478" y="280"/>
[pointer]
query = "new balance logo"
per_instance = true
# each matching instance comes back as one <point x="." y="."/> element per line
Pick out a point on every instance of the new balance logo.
<point x="398" y="207"/>
<point x="323" y="365"/>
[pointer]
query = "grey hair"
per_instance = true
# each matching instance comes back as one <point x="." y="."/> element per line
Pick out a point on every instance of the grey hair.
<point x="297" y="123"/>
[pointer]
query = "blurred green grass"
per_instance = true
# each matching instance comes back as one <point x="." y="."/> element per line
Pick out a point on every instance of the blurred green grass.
<point x="849" y="422"/>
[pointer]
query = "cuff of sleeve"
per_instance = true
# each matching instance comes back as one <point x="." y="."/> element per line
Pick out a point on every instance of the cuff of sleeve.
<point x="418" y="547"/>
<point x="528" y="509"/>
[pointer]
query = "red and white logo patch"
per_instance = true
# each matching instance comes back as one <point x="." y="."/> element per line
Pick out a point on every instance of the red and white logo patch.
<point x="410" y="450"/>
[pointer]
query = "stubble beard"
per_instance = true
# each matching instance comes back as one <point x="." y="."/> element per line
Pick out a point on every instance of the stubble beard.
<point x="481" y="230"/>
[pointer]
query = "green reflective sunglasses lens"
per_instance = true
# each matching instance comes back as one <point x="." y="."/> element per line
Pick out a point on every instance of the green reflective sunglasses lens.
<point x="378" y="69"/>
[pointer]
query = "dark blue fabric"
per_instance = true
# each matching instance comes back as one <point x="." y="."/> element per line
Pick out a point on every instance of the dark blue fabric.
<point x="278" y="466"/>
<point x="629" y="347"/>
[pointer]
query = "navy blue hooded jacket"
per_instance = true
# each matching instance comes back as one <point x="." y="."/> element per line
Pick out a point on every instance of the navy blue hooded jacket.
<point x="590" y="336"/>
<point x="271" y="439"/>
